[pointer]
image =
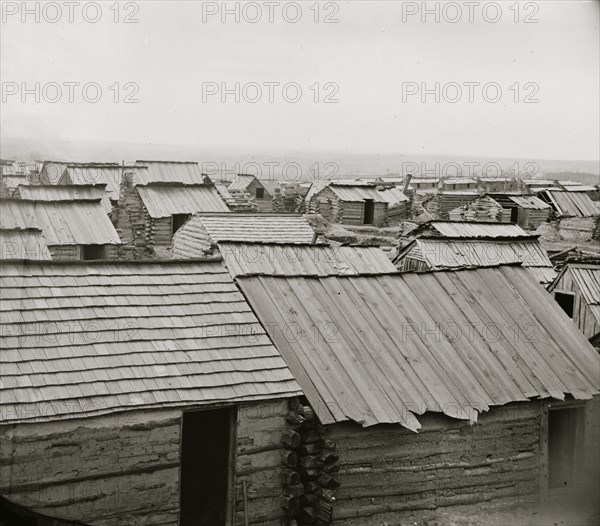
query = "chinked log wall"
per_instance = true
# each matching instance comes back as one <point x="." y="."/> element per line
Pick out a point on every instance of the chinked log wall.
<point x="121" y="469"/>
<point x="141" y="233"/>
<point x="388" y="474"/>
<point x="124" y="469"/>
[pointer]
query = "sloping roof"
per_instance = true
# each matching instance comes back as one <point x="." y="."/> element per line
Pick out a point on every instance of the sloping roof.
<point x="587" y="278"/>
<point x="356" y="192"/>
<point x="268" y="228"/>
<point x="110" y="175"/>
<point x="442" y="253"/>
<point x="66" y="193"/>
<point x="23" y="244"/>
<point x="471" y="229"/>
<point x="286" y="259"/>
<point x="393" y="196"/>
<point x="382" y="349"/>
<point x="529" y="201"/>
<point x="186" y="172"/>
<point x="167" y="200"/>
<point x="242" y="181"/>
<point x="17" y="214"/>
<point x="572" y="204"/>
<point x="62" y="222"/>
<point x="88" y="339"/>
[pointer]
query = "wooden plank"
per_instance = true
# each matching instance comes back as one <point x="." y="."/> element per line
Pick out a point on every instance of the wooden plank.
<point x="303" y="370"/>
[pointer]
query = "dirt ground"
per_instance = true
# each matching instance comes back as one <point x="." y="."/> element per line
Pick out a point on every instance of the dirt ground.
<point x="550" y="515"/>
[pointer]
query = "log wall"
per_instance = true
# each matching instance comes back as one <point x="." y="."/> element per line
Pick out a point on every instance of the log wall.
<point x="142" y="234"/>
<point x="388" y="474"/>
<point x="124" y="469"/>
<point x="103" y="471"/>
<point x="259" y="464"/>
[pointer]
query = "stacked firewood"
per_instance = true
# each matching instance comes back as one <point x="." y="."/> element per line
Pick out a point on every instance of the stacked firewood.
<point x="310" y="467"/>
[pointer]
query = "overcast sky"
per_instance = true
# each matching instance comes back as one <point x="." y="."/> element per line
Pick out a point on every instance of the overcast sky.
<point x="368" y="55"/>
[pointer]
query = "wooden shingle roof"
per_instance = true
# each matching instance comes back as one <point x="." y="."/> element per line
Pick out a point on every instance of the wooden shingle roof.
<point x="96" y="338"/>
<point x="202" y="230"/>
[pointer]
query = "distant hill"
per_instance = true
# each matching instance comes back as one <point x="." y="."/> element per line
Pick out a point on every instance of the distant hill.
<point x="221" y="162"/>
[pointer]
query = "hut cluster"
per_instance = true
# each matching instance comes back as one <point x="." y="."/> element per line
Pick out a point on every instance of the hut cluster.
<point x="183" y="351"/>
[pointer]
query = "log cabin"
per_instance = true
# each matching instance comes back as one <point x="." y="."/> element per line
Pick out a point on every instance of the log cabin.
<point x="483" y="208"/>
<point x="148" y="215"/>
<point x="141" y="393"/>
<point x="349" y="203"/>
<point x="499" y="184"/>
<point x="73" y="228"/>
<point x="439" y="204"/>
<point x="425" y="184"/>
<point x="459" y="184"/>
<point x="455" y="391"/>
<point x="261" y="191"/>
<point x="526" y="211"/>
<point x="577" y="290"/>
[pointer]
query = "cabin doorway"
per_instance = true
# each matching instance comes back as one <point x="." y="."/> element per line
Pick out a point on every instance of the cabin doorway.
<point x="565" y="445"/>
<point x="207" y="460"/>
<point x="369" y="212"/>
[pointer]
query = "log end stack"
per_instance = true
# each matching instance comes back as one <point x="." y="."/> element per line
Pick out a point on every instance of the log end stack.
<point x="310" y="465"/>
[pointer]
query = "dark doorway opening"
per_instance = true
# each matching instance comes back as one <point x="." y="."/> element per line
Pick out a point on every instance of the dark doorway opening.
<point x="566" y="301"/>
<point x="260" y="193"/>
<point x="177" y="221"/>
<point x="565" y="443"/>
<point x="206" y="467"/>
<point x="514" y="215"/>
<point x="369" y="211"/>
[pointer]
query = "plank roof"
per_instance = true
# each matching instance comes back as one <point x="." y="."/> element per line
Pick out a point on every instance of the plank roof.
<point x="471" y="229"/>
<point x="186" y="172"/>
<point x="445" y="253"/>
<point x="572" y="204"/>
<point x="528" y="201"/>
<point x="23" y="244"/>
<point x="242" y="181"/>
<point x="189" y="241"/>
<point x="296" y="259"/>
<point x="75" y="192"/>
<point x="62" y="222"/>
<point x="97" y="338"/>
<point x="387" y="348"/>
<point x="93" y="174"/>
<point x="356" y="191"/>
<point x="393" y="196"/>
<point x="167" y="200"/>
